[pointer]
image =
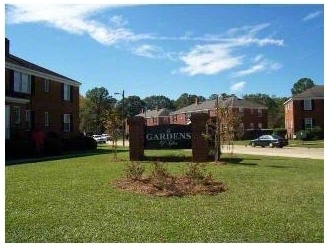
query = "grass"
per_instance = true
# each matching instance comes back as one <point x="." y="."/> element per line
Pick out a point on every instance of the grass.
<point x="72" y="200"/>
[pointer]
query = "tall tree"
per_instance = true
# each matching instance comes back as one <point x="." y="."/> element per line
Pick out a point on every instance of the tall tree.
<point x="187" y="99"/>
<point x="158" y="101"/>
<point x="132" y="106"/>
<point x="93" y="107"/>
<point x="302" y="85"/>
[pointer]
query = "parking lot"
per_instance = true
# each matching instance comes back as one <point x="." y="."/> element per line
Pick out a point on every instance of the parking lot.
<point x="298" y="152"/>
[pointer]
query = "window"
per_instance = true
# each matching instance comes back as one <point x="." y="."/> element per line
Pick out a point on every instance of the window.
<point x="67" y="122"/>
<point x="308" y="123"/>
<point x="155" y="120"/>
<point x="46" y="119"/>
<point x="259" y="125"/>
<point x="28" y="119"/>
<point x="46" y="85"/>
<point x="187" y="115"/>
<point x="241" y="110"/>
<point x="175" y="118"/>
<point x="66" y="92"/>
<point x="16" y="115"/>
<point x="307" y="104"/>
<point x="22" y="83"/>
<point x="251" y="125"/>
<point x="259" y="112"/>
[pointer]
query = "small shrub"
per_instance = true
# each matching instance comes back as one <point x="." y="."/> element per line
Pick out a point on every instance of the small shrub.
<point x="134" y="171"/>
<point x="195" y="172"/>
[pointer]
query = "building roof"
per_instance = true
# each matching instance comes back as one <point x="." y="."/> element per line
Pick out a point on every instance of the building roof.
<point x="316" y="92"/>
<point x="233" y="102"/>
<point x="155" y="113"/>
<point x="14" y="62"/>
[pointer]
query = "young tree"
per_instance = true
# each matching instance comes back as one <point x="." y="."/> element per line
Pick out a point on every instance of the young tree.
<point x="112" y="122"/>
<point x="224" y="128"/>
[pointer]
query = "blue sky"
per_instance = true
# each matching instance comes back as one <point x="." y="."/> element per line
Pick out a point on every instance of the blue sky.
<point x="173" y="49"/>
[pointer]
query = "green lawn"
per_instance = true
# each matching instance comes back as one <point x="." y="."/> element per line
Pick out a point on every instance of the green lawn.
<point x="72" y="200"/>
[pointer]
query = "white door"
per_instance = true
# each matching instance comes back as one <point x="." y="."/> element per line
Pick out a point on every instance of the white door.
<point x="7" y="122"/>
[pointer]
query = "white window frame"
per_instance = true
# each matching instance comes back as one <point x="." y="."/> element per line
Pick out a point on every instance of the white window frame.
<point x="46" y="119"/>
<point x="259" y="125"/>
<point x="46" y="85"/>
<point x="16" y="115"/>
<point x="67" y="122"/>
<point x="259" y="112"/>
<point x="308" y="121"/>
<point x="241" y="110"/>
<point x="67" y="92"/>
<point x="251" y="125"/>
<point x="307" y="104"/>
<point x="22" y="82"/>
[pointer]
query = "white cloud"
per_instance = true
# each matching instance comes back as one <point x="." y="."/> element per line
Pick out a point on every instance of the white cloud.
<point x="209" y="59"/>
<point x="150" y="51"/>
<point x="238" y="87"/>
<point x="261" y="64"/>
<point x="312" y="15"/>
<point x="75" y="19"/>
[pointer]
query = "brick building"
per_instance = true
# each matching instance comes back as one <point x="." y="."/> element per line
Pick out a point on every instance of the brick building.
<point x="156" y="117"/>
<point x="305" y="110"/>
<point x="36" y="97"/>
<point x="252" y="115"/>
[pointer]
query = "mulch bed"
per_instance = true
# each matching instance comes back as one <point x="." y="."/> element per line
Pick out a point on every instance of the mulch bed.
<point x="172" y="186"/>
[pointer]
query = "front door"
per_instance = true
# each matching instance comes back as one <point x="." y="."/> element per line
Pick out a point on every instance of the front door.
<point x="7" y="130"/>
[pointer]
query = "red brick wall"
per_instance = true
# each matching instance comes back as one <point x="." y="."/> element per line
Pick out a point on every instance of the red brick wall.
<point x="51" y="102"/>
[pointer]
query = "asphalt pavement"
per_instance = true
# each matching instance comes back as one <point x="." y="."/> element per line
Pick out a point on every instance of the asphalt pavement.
<point x="298" y="152"/>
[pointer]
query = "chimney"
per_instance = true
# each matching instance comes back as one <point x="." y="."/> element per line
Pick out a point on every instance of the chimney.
<point x="196" y="101"/>
<point x="7" y="46"/>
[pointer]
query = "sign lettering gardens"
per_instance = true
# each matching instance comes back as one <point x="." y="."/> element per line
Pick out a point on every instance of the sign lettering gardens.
<point x="168" y="137"/>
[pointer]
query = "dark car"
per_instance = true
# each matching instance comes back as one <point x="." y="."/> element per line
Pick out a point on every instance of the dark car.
<point x="269" y="140"/>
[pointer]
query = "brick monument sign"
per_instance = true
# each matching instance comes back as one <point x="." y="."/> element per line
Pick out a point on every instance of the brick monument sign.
<point x="171" y="136"/>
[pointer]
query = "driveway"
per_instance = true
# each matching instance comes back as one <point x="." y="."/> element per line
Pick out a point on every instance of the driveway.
<point x="298" y="152"/>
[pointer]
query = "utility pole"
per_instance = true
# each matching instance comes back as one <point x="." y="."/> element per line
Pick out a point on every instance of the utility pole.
<point x="123" y="121"/>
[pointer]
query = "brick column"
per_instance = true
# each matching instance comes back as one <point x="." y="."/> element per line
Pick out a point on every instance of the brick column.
<point x="136" y="138"/>
<point x="200" y="146"/>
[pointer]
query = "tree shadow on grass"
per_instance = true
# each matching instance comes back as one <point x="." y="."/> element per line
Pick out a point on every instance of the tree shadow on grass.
<point x="168" y="158"/>
<point x="238" y="161"/>
<point x="64" y="155"/>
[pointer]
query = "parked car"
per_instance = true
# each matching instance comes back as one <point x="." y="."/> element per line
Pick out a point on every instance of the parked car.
<point x="107" y="136"/>
<point x="269" y="140"/>
<point x="99" y="138"/>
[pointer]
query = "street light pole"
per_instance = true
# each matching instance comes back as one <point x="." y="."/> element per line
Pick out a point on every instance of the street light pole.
<point x="123" y="122"/>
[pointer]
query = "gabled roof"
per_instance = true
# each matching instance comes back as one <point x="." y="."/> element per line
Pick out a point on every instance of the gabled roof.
<point x="233" y="102"/>
<point x="14" y="62"/>
<point x="155" y="113"/>
<point x="316" y="92"/>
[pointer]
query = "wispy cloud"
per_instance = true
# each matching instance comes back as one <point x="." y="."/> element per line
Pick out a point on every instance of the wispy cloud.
<point x="260" y="64"/>
<point x="238" y="87"/>
<point x="75" y="19"/>
<point x="209" y="59"/>
<point x="150" y="51"/>
<point x="312" y="15"/>
<point x="214" y="53"/>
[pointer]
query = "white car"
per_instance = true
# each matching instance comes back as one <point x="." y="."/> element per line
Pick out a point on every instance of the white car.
<point x="99" y="138"/>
